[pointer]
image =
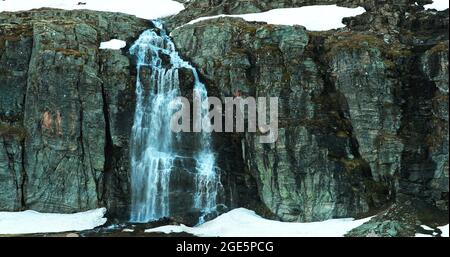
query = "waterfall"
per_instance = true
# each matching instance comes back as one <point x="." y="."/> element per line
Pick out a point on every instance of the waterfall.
<point x="153" y="144"/>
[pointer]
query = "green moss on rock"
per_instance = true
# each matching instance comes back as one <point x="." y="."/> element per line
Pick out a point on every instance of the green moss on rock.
<point x="18" y="132"/>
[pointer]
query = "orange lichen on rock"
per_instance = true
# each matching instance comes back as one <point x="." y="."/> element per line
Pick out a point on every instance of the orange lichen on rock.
<point x="47" y="121"/>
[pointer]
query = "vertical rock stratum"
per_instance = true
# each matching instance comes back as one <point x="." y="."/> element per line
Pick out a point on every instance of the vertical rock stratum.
<point x="66" y="110"/>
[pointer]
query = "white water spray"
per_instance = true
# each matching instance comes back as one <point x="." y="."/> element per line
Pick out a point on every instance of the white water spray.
<point x="152" y="141"/>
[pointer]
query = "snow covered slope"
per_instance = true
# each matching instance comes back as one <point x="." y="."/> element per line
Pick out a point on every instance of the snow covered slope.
<point x="246" y="223"/>
<point x="27" y="222"/>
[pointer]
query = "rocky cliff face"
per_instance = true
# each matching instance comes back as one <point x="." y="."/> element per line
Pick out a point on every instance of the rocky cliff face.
<point x="363" y="110"/>
<point x="66" y="110"/>
<point x="304" y="175"/>
<point x="361" y="119"/>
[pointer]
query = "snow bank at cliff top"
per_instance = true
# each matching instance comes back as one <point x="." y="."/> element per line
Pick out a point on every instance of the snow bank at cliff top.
<point x="314" y="18"/>
<point x="146" y="9"/>
<point x="28" y="222"/>
<point x="246" y="223"/>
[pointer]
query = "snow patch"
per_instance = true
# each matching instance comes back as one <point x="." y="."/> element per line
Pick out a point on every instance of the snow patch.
<point x="439" y="5"/>
<point x="314" y="18"/>
<point x="114" y="44"/>
<point x="242" y="222"/>
<point x="426" y="227"/>
<point x="444" y="230"/>
<point x="422" y="235"/>
<point x="28" y="222"/>
<point x="146" y="9"/>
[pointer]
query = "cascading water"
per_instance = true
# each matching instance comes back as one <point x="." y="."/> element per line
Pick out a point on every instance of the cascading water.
<point x="153" y="150"/>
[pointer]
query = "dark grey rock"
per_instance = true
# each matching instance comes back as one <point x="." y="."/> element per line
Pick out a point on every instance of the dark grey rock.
<point x="308" y="162"/>
<point x="67" y="96"/>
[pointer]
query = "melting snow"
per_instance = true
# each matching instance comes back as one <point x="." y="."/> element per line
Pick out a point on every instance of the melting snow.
<point x="314" y="18"/>
<point x="146" y="9"/>
<point x="27" y="222"/>
<point x="114" y="44"/>
<point x="246" y="223"/>
<point x="439" y="5"/>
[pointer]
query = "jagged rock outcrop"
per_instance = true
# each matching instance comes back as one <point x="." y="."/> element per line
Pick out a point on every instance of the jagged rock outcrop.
<point x="66" y="110"/>
<point x="403" y="219"/>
